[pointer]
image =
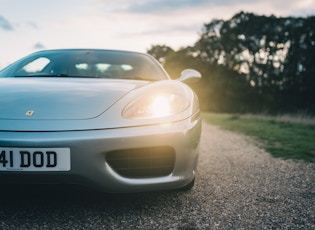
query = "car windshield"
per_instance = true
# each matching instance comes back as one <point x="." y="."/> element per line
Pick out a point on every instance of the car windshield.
<point x="87" y="64"/>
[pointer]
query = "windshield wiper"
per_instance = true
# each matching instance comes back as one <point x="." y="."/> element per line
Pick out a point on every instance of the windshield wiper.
<point x="54" y="75"/>
<point x="60" y="75"/>
<point x="44" y="75"/>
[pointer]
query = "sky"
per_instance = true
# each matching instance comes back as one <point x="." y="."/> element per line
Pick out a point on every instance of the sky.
<point x="27" y="26"/>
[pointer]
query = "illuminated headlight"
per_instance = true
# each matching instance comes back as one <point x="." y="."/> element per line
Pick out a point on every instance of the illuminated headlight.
<point x="156" y="105"/>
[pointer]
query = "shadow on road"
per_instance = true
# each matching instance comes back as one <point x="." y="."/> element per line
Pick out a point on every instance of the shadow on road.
<point x="67" y="196"/>
<point x="69" y="207"/>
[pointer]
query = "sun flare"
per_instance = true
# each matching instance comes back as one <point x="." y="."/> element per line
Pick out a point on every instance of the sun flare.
<point x="160" y="106"/>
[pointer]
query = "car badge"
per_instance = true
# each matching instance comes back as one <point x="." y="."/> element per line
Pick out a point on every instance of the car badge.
<point x="30" y="113"/>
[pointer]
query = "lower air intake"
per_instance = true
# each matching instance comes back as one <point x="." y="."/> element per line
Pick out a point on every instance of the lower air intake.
<point x="142" y="162"/>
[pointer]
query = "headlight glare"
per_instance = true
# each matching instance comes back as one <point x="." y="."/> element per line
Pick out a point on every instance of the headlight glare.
<point x="156" y="105"/>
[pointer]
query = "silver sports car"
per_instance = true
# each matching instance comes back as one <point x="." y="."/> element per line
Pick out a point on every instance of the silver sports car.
<point x="105" y="119"/>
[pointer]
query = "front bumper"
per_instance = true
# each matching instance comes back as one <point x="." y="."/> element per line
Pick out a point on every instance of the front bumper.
<point x="89" y="150"/>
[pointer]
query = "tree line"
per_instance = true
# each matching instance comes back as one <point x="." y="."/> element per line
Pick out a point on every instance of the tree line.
<point x="250" y="63"/>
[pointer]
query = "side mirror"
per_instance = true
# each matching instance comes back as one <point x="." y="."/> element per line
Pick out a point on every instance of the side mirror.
<point x="189" y="76"/>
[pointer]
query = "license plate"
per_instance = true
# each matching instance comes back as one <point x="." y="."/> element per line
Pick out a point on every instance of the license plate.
<point x="34" y="159"/>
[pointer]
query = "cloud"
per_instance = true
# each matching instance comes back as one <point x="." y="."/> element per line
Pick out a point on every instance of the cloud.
<point x="156" y="6"/>
<point x="32" y="25"/>
<point x="280" y="7"/>
<point x="38" y="46"/>
<point x="5" y="24"/>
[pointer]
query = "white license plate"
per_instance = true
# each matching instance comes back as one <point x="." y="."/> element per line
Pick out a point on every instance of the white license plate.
<point x="34" y="159"/>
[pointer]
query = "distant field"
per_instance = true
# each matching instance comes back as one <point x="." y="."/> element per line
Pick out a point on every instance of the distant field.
<point x="288" y="137"/>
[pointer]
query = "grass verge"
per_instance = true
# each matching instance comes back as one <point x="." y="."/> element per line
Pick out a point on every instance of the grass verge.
<point x="285" y="138"/>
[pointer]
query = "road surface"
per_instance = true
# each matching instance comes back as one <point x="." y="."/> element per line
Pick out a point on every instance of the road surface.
<point x="238" y="186"/>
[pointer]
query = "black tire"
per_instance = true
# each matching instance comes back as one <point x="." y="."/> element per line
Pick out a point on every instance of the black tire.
<point x="189" y="186"/>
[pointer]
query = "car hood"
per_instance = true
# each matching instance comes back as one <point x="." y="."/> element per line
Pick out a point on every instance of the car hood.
<point x="60" y="98"/>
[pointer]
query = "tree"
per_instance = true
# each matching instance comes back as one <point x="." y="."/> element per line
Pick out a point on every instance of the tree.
<point x="251" y="63"/>
<point x="160" y="52"/>
<point x="276" y="55"/>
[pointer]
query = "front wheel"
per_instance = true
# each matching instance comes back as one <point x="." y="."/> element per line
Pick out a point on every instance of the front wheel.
<point x="188" y="186"/>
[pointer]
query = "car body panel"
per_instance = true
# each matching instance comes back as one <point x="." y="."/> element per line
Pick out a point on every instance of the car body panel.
<point x="105" y="123"/>
<point x="87" y="110"/>
<point x="61" y="98"/>
<point x="89" y="149"/>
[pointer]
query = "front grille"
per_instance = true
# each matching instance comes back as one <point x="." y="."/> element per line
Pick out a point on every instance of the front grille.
<point x="142" y="162"/>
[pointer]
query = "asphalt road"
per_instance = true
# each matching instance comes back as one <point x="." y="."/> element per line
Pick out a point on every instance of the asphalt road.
<point x="238" y="186"/>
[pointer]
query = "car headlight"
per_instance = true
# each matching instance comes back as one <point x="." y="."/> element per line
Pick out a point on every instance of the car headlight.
<point x="157" y="104"/>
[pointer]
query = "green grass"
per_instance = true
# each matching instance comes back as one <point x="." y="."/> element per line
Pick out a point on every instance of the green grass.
<point x="285" y="138"/>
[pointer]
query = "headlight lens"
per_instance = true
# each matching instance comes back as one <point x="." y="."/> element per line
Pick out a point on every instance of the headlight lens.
<point x="156" y="105"/>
